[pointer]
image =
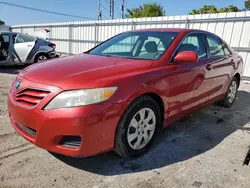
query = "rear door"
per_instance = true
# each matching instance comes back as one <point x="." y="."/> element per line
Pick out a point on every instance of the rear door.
<point x="23" y="44"/>
<point x="221" y="63"/>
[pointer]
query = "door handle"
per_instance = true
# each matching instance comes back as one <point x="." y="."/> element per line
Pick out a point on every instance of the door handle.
<point x="29" y="45"/>
<point x="209" y="67"/>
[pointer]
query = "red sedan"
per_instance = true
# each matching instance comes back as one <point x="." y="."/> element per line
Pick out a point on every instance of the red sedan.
<point x="120" y="94"/>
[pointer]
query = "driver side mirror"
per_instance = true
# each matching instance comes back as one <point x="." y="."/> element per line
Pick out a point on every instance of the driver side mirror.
<point x="186" y="57"/>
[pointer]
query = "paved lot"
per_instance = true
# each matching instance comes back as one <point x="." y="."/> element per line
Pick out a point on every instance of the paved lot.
<point x="206" y="149"/>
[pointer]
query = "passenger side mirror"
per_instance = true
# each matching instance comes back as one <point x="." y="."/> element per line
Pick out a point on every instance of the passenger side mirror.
<point x="186" y="57"/>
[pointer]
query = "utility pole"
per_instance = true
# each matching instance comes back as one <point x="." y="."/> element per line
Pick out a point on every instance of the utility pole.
<point x="122" y="9"/>
<point x="100" y="10"/>
<point x="103" y="5"/>
<point x="112" y="9"/>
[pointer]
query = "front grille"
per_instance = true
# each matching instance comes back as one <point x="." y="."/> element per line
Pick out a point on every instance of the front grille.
<point x="29" y="97"/>
<point x="71" y="141"/>
<point x="27" y="129"/>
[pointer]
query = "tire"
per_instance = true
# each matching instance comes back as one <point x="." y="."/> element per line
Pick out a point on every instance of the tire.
<point x="41" y="58"/>
<point x="144" y="131"/>
<point x="231" y="94"/>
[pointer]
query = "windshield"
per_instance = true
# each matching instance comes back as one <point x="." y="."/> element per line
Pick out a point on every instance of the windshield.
<point x="136" y="45"/>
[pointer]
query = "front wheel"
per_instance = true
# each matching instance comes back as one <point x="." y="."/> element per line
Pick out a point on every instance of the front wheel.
<point x="231" y="93"/>
<point x="138" y="127"/>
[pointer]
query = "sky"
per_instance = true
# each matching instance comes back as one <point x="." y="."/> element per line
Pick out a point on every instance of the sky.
<point x="88" y="8"/>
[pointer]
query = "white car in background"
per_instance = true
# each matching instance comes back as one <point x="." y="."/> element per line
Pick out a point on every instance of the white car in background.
<point x="19" y="48"/>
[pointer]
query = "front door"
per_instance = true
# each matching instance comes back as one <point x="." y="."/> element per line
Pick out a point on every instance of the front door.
<point x="189" y="78"/>
<point x="23" y="44"/>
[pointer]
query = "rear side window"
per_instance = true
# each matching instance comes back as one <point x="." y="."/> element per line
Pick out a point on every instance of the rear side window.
<point x="20" y="38"/>
<point x="226" y="49"/>
<point x="215" y="46"/>
<point x="194" y="42"/>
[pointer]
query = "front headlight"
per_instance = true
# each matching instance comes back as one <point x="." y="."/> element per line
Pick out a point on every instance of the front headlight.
<point x="76" y="98"/>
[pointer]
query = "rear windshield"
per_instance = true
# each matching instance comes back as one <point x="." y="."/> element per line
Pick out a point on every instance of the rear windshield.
<point x="136" y="45"/>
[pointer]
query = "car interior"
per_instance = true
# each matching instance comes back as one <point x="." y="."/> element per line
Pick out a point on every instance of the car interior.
<point x="151" y="50"/>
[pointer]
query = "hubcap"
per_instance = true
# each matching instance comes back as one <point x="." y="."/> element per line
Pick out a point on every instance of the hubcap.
<point x="232" y="91"/>
<point x="41" y="58"/>
<point x="141" y="128"/>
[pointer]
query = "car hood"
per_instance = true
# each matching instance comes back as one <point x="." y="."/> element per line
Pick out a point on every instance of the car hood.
<point x="82" y="71"/>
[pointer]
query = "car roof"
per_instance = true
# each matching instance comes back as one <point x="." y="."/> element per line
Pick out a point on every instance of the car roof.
<point x="160" y="30"/>
<point x="178" y="30"/>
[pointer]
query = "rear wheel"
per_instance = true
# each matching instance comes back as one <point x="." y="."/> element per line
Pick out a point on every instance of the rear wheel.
<point x="41" y="58"/>
<point x="231" y="93"/>
<point x="138" y="127"/>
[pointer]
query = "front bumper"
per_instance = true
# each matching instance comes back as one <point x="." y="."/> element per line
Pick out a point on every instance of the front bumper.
<point x="94" y="124"/>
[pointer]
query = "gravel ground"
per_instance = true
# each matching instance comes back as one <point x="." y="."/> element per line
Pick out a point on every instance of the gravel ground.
<point x="206" y="149"/>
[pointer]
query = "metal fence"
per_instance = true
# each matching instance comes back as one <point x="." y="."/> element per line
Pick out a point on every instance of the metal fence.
<point x="77" y="37"/>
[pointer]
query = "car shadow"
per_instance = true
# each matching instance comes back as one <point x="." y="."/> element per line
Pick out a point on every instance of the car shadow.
<point x="183" y="140"/>
<point x="12" y="69"/>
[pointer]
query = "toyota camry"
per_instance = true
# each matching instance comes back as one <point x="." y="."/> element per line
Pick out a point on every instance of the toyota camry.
<point x="120" y="94"/>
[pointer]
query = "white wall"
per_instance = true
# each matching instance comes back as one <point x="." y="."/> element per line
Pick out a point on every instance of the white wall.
<point x="76" y="37"/>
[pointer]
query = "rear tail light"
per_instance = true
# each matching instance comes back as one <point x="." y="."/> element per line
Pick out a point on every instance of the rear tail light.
<point x="52" y="45"/>
<point x="47" y="30"/>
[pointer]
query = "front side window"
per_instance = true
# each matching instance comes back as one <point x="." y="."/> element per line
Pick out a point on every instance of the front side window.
<point x="215" y="46"/>
<point x="194" y="42"/>
<point x="20" y="38"/>
<point x="136" y="45"/>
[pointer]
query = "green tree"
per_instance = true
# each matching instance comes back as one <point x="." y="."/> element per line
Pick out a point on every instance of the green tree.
<point x="194" y="11"/>
<point x="247" y="4"/>
<point x="210" y="9"/>
<point x="1" y="22"/>
<point x="231" y="8"/>
<point x="147" y="10"/>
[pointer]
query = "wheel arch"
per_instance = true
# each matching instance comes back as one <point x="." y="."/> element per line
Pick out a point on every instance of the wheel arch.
<point x="158" y="100"/>
<point x="155" y="96"/>
<point x="237" y="76"/>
